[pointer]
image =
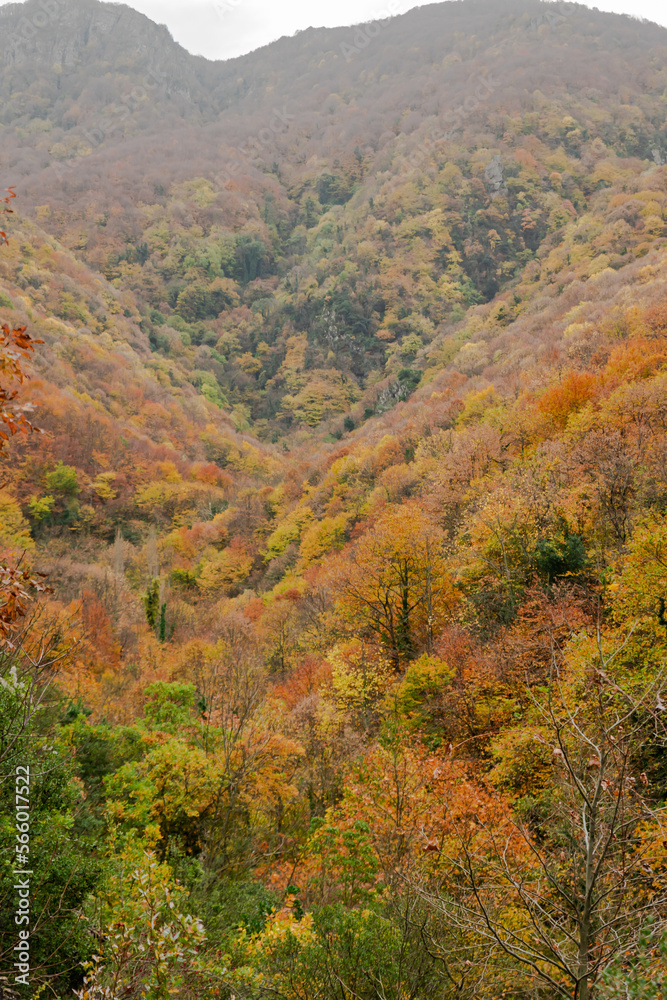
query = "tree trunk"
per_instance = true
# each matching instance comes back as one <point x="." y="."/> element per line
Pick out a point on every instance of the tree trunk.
<point x="585" y="928"/>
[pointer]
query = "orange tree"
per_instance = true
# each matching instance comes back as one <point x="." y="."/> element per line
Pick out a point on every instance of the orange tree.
<point x="16" y="346"/>
<point x="367" y="932"/>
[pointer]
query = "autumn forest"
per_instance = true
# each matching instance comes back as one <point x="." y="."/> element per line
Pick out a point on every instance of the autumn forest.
<point x="333" y="508"/>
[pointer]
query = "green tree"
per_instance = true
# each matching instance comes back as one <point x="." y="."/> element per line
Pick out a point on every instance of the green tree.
<point x="152" y="604"/>
<point x="63" y="868"/>
<point x="63" y="480"/>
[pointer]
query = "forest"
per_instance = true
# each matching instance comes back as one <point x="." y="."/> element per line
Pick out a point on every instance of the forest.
<point x="333" y="508"/>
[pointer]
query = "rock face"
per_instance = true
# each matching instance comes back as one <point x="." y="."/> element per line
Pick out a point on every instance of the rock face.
<point x="93" y="39"/>
<point x="495" y="176"/>
<point x="63" y="32"/>
<point x="55" y="31"/>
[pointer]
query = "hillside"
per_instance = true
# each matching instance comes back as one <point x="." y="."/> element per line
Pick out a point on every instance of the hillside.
<point x="351" y="496"/>
<point x="335" y="203"/>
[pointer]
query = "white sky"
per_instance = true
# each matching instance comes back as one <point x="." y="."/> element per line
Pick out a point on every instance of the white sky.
<point x="220" y="29"/>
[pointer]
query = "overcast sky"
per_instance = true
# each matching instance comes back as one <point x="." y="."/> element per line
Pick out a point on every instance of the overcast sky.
<point x="220" y="29"/>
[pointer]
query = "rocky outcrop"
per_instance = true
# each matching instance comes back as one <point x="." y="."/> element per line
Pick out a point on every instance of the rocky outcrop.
<point x="92" y="40"/>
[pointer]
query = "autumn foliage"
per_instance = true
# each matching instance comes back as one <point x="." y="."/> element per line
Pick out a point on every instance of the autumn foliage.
<point x="351" y="494"/>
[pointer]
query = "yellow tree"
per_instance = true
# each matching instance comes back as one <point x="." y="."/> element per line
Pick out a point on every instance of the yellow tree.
<point x="395" y="587"/>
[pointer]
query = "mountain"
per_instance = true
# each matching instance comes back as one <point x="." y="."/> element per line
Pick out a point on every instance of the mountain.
<point x="352" y="497"/>
<point x="272" y="153"/>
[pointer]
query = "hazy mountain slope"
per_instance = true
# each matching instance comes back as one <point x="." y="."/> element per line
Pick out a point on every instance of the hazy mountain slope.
<point x="325" y="269"/>
<point x="310" y="218"/>
<point x="128" y="423"/>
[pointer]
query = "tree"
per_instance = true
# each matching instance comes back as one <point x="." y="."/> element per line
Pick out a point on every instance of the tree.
<point x="395" y="586"/>
<point x="16" y="345"/>
<point x="4" y="202"/>
<point x="642" y="974"/>
<point x="62" y="479"/>
<point x="577" y="898"/>
<point x="28" y="666"/>
<point x="152" y="604"/>
<point x="62" y="870"/>
<point x="148" y="941"/>
<point x="16" y="585"/>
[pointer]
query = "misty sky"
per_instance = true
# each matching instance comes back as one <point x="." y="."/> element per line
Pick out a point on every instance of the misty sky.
<point x="220" y="29"/>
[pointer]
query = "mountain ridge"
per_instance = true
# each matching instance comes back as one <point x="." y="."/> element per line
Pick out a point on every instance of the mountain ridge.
<point x="273" y="177"/>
